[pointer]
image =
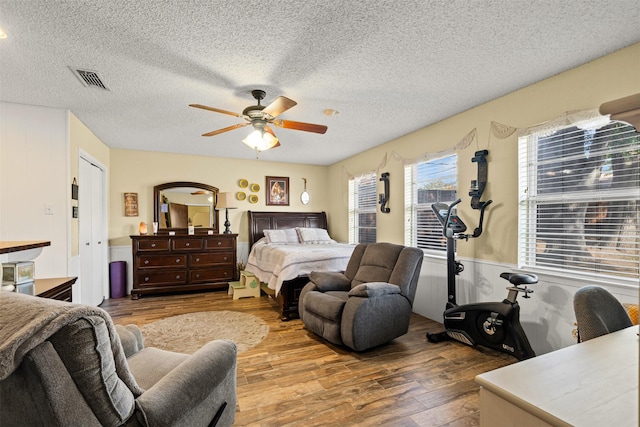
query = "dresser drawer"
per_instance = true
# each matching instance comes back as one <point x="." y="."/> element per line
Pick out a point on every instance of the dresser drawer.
<point x="187" y="244"/>
<point x="218" y="243"/>
<point x="159" y="277"/>
<point x="152" y="245"/>
<point x="206" y="259"/>
<point x="212" y="274"/>
<point x="154" y="261"/>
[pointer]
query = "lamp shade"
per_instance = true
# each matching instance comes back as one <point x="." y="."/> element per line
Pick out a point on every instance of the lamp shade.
<point x="261" y="141"/>
<point x="226" y="201"/>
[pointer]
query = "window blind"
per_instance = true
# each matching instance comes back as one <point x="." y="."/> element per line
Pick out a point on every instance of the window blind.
<point x="579" y="201"/>
<point x="427" y="183"/>
<point x="362" y="209"/>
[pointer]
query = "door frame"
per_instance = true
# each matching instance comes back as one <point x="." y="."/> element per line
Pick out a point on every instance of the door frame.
<point x="104" y="255"/>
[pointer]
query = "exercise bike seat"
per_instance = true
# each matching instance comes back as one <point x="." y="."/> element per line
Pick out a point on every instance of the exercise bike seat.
<point x="520" y="278"/>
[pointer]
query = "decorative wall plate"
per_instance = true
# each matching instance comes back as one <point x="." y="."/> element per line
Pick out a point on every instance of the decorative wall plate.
<point x="253" y="198"/>
<point x="243" y="183"/>
<point x="240" y="195"/>
<point x="255" y="188"/>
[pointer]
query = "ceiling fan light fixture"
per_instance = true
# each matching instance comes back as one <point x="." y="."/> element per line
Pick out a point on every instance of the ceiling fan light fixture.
<point x="260" y="140"/>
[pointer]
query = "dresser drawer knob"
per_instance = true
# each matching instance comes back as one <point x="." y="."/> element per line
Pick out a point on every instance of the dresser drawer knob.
<point x="178" y="276"/>
<point x="225" y="274"/>
<point x="146" y="262"/>
<point x="197" y="259"/>
<point x="225" y="258"/>
<point x="197" y="276"/>
<point x="178" y="260"/>
<point x="187" y="244"/>
<point x="153" y="245"/>
<point x="219" y="243"/>
<point x="146" y="279"/>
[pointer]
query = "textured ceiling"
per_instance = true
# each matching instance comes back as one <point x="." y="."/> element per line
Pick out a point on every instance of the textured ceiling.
<point x="388" y="67"/>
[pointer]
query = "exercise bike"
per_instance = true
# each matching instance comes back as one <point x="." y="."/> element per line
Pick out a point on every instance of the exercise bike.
<point x="490" y="324"/>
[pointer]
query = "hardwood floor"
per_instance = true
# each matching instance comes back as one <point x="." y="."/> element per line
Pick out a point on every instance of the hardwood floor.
<point x="294" y="378"/>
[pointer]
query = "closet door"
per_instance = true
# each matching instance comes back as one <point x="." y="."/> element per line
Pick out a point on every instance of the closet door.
<point x="91" y="222"/>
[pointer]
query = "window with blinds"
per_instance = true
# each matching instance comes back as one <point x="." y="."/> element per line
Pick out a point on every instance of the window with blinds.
<point x="579" y="202"/>
<point x="362" y="209"/>
<point x="426" y="183"/>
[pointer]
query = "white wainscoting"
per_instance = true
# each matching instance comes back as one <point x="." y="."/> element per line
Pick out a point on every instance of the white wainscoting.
<point x="547" y="317"/>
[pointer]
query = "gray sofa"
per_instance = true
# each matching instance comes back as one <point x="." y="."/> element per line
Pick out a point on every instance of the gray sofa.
<point x="64" y="364"/>
<point x="368" y="304"/>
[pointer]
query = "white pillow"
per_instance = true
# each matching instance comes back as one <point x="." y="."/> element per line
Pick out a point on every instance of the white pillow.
<point x="314" y="236"/>
<point x="284" y="237"/>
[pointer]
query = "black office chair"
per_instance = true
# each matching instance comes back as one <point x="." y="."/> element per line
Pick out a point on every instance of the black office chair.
<point x="598" y="313"/>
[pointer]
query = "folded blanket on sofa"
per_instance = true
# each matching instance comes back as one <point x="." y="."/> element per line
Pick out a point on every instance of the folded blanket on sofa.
<point x="27" y="321"/>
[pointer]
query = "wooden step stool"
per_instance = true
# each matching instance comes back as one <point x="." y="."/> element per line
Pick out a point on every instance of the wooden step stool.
<point x="247" y="286"/>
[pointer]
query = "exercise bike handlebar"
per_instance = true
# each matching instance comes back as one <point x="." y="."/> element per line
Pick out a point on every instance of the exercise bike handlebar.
<point x="452" y="225"/>
<point x="478" y="231"/>
<point x="446" y="230"/>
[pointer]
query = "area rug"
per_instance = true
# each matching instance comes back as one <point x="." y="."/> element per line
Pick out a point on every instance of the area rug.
<point x="186" y="333"/>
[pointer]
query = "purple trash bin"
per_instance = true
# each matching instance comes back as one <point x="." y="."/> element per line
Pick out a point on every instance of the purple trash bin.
<point x="118" y="278"/>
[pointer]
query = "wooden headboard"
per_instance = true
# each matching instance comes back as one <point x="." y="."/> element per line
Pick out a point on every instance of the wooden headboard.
<point x="260" y="221"/>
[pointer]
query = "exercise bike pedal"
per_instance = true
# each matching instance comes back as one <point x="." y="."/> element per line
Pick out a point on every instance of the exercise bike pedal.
<point x="462" y="337"/>
<point x="437" y="337"/>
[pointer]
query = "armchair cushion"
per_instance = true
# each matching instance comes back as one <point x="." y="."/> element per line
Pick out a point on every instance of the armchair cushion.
<point x="131" y="339"/>
<point x="150" y="364"/>
<point x="374" y="289"/>
<point x="195" y="388"/>
<point x="330" y="281"/>
<point x="85" y="349"/>
<point x="377" y="263"/>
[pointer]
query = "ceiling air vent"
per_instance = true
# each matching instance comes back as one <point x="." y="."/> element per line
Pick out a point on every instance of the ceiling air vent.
<point x="89" y="78"/>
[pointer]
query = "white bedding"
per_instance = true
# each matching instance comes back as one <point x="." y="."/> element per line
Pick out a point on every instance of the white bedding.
<point x="274" y="263"/>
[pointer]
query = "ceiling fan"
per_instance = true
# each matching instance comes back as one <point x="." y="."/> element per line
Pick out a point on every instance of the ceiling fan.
<point x="260" y="117"/>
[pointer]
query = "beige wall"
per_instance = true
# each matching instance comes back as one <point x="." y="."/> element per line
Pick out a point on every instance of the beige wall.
<point x="140" y="171"/>
<point x="81" y="139"/>
<point x="585" y="87"/>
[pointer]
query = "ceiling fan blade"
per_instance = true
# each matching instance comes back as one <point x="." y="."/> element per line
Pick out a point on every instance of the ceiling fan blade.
<point x="227" y="129"/>
<point x="279" y="106"/>
<point x="217" y="110"/>
<point x="307" y="127"/>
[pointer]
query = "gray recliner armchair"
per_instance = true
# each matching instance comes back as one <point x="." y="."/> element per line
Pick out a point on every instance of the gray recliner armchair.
<point x="64" y="364"/>
<point x="368" y="304"/>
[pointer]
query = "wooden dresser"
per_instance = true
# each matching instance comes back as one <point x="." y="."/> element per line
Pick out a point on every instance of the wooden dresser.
<point x="163" y="263"/>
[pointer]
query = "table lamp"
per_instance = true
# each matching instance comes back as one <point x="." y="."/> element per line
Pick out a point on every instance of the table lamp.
<point x="226" y="202"/>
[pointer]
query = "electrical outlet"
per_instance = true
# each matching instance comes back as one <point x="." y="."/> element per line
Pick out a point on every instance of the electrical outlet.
<point x="48" y="209"/>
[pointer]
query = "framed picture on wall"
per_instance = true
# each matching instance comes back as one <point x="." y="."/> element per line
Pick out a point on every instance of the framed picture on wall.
<point x="130" y="204"/>
<point x="277" y="189"/>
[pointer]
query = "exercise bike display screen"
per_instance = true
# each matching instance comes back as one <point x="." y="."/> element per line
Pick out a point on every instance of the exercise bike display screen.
<point x="455" y="223"/>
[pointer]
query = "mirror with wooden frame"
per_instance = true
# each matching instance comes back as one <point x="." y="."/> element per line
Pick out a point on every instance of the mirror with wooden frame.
<point x="177" y="205"/>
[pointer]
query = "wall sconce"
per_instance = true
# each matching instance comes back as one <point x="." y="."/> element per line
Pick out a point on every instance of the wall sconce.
<point x="384" y="198"/>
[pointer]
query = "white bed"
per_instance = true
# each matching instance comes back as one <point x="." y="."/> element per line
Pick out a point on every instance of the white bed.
<point x="286" y="276"/>
<point x="274" y="263"/>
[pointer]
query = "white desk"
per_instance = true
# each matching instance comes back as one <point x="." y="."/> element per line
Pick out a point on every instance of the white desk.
<point x="594" y="383"/>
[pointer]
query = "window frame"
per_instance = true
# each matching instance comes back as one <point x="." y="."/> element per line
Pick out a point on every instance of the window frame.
<point x="413" y="206"/>
<point x="355" y="209"/>
<point x="531" y="199"/>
